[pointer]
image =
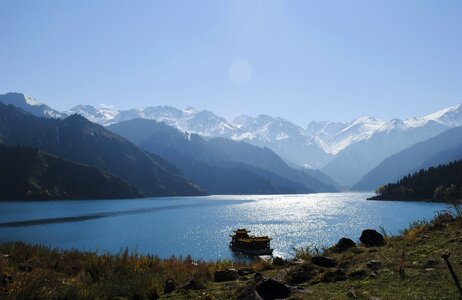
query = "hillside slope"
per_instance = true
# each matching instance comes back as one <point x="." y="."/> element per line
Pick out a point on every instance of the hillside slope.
<point x="412" y="159"/>
<point x="441" y="183"/>
<point x="206" y="165"/>
<point x="29" y="174"/>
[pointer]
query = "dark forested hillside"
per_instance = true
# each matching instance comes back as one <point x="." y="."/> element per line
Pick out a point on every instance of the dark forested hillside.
<point x="442" y="183"/>
<point x="77" y="139"/>
<point x="29" y="174"/>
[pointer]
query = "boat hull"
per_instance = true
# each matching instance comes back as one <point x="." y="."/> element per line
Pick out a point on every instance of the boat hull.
<point x="252" y="252"/>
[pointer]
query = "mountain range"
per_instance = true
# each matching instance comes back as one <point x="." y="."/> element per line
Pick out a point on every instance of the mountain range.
<point x="76" y="139"/>
<point x="344" y="151"/>
<point x="211" y="162"/>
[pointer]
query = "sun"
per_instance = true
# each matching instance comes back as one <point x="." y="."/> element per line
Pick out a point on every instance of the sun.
<point x="240" y="72"/>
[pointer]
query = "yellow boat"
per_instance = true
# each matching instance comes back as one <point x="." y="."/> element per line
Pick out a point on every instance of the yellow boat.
<point x="242" y="242"/>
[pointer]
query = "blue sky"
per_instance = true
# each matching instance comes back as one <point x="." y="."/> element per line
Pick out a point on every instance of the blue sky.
<point x="301" y="60"/>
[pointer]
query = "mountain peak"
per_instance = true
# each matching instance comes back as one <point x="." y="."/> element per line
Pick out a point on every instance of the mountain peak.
<point x="451" y="117"/>
<point x="30" y="105"/>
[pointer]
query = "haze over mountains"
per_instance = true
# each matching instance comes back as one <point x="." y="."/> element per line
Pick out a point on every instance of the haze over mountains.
<point x="345" y="151"/>
<point x="212" y="162"/>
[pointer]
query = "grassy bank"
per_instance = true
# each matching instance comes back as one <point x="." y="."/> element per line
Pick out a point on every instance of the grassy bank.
<point x="407" y="267"/>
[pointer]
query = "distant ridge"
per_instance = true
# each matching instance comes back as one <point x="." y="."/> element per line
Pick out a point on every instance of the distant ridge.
<point x="345" y="151"/>
<point x="202" y="162"/>
<point x="440" y="149"/>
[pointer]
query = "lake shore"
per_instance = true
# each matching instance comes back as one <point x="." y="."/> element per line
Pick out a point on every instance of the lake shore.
<point x="200" y="226"/>
<point x="408" y="266"/>
<point x="410" y="199"/>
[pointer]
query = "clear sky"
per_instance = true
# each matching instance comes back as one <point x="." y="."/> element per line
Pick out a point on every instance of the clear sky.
<point x="301" y="60"/>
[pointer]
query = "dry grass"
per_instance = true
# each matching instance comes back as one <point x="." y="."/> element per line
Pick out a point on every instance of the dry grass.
<point x="42" y="273"/>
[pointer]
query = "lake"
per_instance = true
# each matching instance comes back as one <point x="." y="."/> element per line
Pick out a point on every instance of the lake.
<point x="200" y="226"/>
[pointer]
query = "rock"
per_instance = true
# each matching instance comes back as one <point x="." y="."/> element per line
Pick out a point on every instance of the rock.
<point x="299" y="274"/>
<point x="270" y="289"/>
<point x="343" y="245"/>
<point x="357" y="274"/>
<point x="374" y="264"/>
<point x="170" y="286"/>
<point x="323" y="261"/>
<point x="258" y="276"/>
<point x="279" y="261"/>
<point x="333" y="276"/>
<point x="431" y="263"/>
<point x="193" y="285"/>
<point x="352" y="293"/>
<point x="371" y="238"/>
<point x="245" y="271"/>
<point x="225" y="275"/>
<point x="248" y="293"/>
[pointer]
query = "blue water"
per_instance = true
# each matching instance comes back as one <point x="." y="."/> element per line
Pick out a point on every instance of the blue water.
<point x="200" y="226"/>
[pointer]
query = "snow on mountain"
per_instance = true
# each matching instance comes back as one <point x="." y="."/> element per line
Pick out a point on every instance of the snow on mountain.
<point x="103" y="115"/>
<point x="288" y="140"/>
<point x="334" y="137"/>
<point x="367" y="141"/>
<point x="315" y="146"/>
<point x="202" y="122"/>
<point x="451" y="117"/>
<point x="331" y="144"/>
<point x="30" y="105"/>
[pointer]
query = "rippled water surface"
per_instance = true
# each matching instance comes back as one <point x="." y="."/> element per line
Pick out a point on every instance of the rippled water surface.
<point x="200" y="226"/>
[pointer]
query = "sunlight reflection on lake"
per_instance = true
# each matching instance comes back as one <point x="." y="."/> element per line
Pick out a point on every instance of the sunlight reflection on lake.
<point x="200" y="226"/>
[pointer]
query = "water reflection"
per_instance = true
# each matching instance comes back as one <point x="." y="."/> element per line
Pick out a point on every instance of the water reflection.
<point x="200" y="226"/>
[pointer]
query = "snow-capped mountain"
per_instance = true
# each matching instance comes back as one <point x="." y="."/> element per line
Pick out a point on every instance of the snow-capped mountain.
<point x="344" y="150"/>
<point x="202" y="122"/>
<point x="285" y="138"/>
<point x="288" y="140"/>
<point x="30" y="105"/>
<point x="450" y="117"/>
<point x="333" y="137"/>
<point x="104" y="114"/>
<point x="331" y="145"/>
<point x="366" y="142"/>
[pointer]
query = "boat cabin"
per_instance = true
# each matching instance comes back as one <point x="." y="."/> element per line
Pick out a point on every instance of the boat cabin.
<point x="241" y="241"/>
